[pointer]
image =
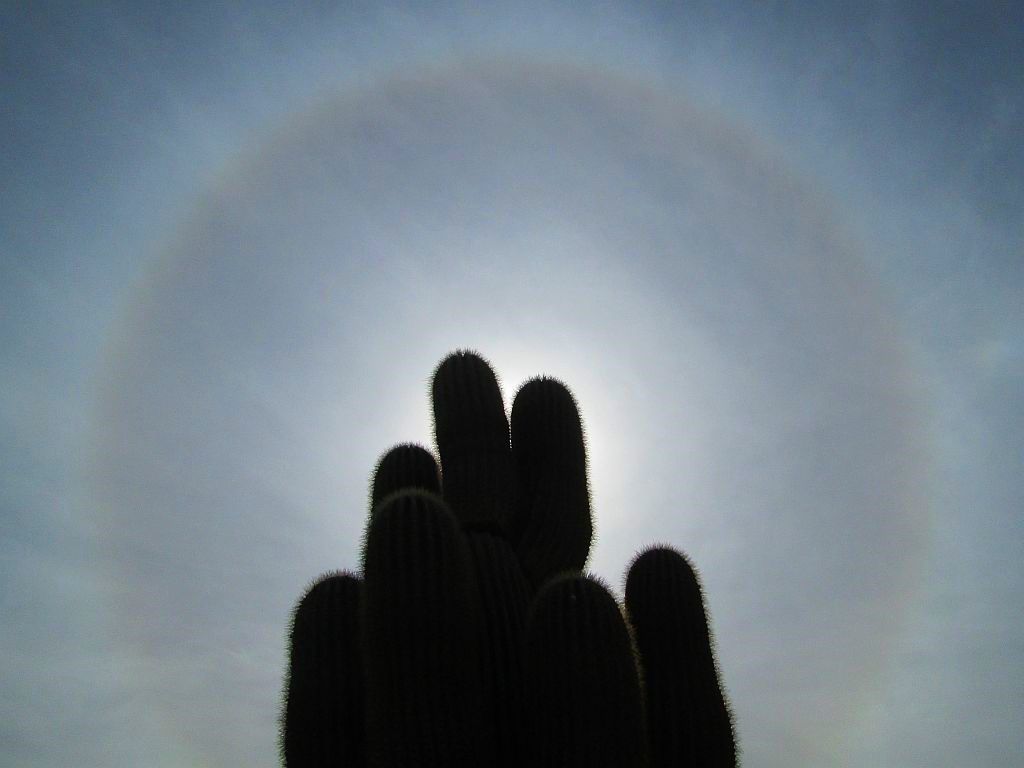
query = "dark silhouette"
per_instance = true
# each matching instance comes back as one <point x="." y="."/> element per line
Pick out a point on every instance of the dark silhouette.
<point x="473" y="637"/>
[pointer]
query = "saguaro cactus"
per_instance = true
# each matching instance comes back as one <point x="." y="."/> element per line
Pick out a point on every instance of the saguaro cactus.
<point x="474" y="637"/>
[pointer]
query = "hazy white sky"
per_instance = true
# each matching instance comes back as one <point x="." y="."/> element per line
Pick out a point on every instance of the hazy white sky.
<point x="776" y="254"/>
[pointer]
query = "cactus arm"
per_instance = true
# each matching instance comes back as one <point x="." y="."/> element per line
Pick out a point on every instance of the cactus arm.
<point x="421" y="636"/>
<point x="472" y="436"/>
<point x="322" y="717"/>
<point x="583" y="693"/>
<point x="553" y="528"/>
<point x="404" y="467"/>
<point x="690" y="721"/>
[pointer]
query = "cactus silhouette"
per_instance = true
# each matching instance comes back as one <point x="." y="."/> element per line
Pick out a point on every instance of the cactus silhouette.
<point x="688" y="717"/>
<point x="324" y="699"/>
<point x="474" y="637"/>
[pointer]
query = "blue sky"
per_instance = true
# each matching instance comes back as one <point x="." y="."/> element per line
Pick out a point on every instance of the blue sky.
<point x="776" y="252"/>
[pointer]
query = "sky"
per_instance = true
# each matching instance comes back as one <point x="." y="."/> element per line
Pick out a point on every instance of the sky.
<point x="775" y="251"/>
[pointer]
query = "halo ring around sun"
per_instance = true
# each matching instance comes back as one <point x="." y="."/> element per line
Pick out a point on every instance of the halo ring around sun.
<point x="745" y="390"/>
